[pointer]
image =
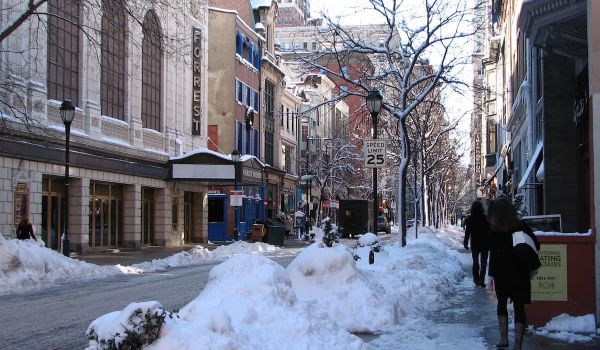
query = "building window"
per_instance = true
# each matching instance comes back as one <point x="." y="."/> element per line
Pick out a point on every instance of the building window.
<point x="304" y="133"/>
<point x="239" y="91"/>
<point x="63" y="50"/>
<point x="112" y="80"/>
<point x="151" y="72"/>
<point x="491" y="137"/>
<point x="287" y="117"/>
<point x="314" y="46"/>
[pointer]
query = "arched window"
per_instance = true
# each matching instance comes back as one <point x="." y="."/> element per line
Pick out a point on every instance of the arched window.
<point x="151" y="72"/>
<point x="112" y="81"/>
<point x="63" y="50"/>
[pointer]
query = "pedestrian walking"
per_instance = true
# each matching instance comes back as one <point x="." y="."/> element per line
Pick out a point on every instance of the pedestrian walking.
<point x="477" y="231"/>
<point x="509" y="271"/>
<point x="25" y="229"/>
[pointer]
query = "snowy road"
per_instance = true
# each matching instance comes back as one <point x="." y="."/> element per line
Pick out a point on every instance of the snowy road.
<point x="56" y="318"/>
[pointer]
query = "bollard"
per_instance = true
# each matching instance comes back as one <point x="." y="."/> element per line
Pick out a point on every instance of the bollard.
<point x="371" y="257"/>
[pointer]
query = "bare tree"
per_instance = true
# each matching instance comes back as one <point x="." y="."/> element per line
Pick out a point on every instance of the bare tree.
<point x="332" y="166"/>
<point x="414" y="34"/>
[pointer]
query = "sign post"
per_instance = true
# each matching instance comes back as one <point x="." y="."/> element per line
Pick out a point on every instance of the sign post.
<point x="235" y="198"/>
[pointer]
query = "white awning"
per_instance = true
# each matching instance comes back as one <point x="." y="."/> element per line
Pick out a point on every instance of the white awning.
<point x="536" y="154"/>
<point x="539" y="175"/>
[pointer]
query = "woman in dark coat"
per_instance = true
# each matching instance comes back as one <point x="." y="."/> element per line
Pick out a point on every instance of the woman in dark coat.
<point x="25" y="230"/>
<point x="477" y="229"/>
<point x="509" y="273"/>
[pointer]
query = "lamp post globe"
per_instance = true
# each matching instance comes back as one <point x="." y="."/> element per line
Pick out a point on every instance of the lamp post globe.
<point x="67" y="113"/>
<point x="235" y="157"/>
<point x="374" y="101"/>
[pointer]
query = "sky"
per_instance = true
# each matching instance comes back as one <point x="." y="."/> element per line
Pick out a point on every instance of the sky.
<point x="319" y="301"/>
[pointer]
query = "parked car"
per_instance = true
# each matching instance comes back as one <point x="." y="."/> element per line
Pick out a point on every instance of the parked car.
<point x="411" y="222"/>
<point x="383" y="225"/>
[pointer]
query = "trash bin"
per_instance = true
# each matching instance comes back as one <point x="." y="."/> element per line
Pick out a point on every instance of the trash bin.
<point x="275" y="232"/>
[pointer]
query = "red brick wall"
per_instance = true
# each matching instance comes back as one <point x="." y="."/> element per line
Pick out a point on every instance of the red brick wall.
<point x="242" y="7"/>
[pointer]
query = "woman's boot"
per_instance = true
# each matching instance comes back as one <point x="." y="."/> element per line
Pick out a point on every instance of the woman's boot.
<point x="503" y="326"/>
<point x="519" y="334"/>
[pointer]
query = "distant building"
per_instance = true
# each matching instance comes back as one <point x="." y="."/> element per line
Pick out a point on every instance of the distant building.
<point x="293" y="13"/>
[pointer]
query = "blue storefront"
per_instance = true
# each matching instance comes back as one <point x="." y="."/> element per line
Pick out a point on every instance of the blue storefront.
<point x="251" y="183"/>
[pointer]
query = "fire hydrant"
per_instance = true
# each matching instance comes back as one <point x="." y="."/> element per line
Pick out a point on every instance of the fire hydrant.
<point x="371" y="257"/>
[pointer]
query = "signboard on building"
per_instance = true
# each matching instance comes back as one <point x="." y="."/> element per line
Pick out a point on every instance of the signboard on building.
<point x="235" y="198"/>
<point x="375" y="153"/>
<point x="196" y="80"/>
<point x="550" y="283"/>
<point x="546" y="223"/>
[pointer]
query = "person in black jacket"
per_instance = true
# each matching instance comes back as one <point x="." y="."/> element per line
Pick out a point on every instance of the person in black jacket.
<point x="477" y="230"/>
<point x="509" y="274"/>
<point x="25" y="230"/>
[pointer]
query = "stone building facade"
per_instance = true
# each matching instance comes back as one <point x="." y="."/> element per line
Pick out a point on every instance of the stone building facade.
<point x="139" y="89"/>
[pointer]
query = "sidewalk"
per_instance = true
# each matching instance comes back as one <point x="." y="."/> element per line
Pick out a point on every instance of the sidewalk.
<point x="128" y="257"/>
<point x="477" y="306"/>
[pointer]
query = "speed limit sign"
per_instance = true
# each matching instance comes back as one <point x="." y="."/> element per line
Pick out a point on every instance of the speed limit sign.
<point x="375" y="153"/>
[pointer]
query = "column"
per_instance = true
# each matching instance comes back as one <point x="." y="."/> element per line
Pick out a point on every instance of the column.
<point x="79" y="215"/>
<point x="132" y="216"/>
<point x="200" y="217"/>
<point x="164" y="234"/>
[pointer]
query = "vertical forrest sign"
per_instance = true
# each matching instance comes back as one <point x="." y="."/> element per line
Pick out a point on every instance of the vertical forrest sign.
<point x="196" y="80"/>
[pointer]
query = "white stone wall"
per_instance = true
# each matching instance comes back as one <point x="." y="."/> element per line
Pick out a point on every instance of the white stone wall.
<point x="91" y="130"/>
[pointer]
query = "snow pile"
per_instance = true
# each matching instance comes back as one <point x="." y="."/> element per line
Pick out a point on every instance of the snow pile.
<point x="564" y="322"/>
<point x="570" y="328"/>
<point x="115" y="326"/>
<point x="200" y="254"/>
<point x="368" y="239"/>
<point x="328" y="281"/>
<point x="248" y="303"/>
<point x="28" y="264"/>
<point x="419" y="278"/>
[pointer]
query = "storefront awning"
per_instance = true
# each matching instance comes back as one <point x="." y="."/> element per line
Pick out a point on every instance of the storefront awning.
<point x="488" y="181"/>
<point x="536" y="154"/>
<point x="202" y="164"/>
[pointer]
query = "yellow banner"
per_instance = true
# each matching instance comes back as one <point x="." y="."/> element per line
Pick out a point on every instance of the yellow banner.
<point x="550" y="283"/>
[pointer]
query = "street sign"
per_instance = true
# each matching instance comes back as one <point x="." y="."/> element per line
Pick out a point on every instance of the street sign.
<point x="375" y="153"/>
<point x="300" y="204"/>
<point x="235" y="198"/>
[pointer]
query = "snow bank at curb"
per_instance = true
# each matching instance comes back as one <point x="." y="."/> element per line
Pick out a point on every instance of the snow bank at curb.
<point x="27" y="264"/>
<point x="249" y="303"/>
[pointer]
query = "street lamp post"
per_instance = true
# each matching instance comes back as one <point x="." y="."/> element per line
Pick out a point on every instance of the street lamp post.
<point x="67" y="112"/>
<point x="374" y="99"/>
<point x="235" y="157"/>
